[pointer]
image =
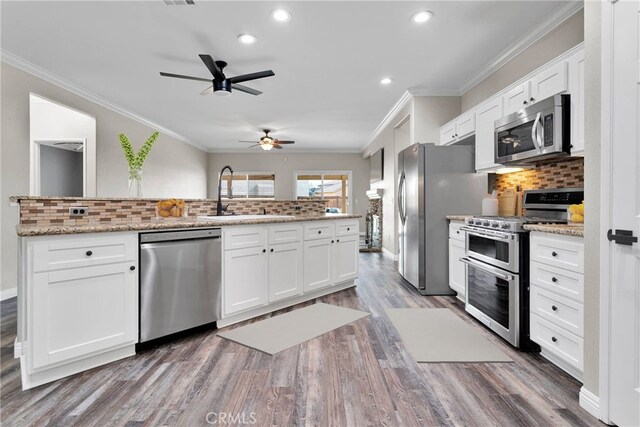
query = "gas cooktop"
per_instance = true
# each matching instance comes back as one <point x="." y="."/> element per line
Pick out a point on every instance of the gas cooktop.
<point x="510" y="223"/>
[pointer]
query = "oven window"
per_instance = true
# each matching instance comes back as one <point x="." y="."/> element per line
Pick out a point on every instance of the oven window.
<point x="488" y="247"/>
<point x="489" y="294"/>
<point x="515" y="140"/>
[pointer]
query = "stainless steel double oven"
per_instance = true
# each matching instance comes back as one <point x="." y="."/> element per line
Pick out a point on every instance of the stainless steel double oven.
<point x="497" y="281"/>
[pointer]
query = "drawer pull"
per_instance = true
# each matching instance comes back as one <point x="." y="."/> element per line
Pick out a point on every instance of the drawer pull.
<point x="264" y="251"/>
<point x="332" y="241"/>
<point x="554" y="339"/>
<point x="554" y="280"/>
<point x="554" y="308"/>
<point x="271" y="249"/>
<point x="338" y="240"/>
<point x="319" y="231"/>
<point x="348" y="228"/>
<point x="89" y="253"/>
<point x="133" y="267"/>
<point x="554" y="253"/>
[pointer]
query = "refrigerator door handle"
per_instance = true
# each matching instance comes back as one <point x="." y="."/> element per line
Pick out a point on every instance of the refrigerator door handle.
<point x="401" y="199"/>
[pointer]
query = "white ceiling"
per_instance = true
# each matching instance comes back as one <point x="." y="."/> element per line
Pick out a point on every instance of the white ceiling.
<point x="328" y="60"/>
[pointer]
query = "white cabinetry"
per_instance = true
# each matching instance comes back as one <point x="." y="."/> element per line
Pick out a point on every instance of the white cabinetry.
<point x="457" y="269"/>
<point x="545" y="83"/>
<point x="318" y="263"/>
<point x="245" y="279"/>
<point x="556" y="299"/>
<point x="486" y="115"/>
<point x="576" y="89"/>
<point x="81" y="303"/>
<point x="458" y="129"/>
<point x="516" y="98"/>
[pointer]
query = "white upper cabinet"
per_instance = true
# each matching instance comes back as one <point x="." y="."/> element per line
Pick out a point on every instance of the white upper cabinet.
<point x="548" y="82"/>
<point x="486" y="115"/>
<point x="516" y="98"/>
<point x="576" y="89"/>
<point x="458" y="129"/>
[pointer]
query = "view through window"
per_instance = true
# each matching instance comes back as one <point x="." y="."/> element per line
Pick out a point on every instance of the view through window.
<point x="249" y="185"/>
<point x="331" y="187"/>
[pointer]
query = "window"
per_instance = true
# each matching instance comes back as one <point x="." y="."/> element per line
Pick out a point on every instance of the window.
<point x="249" y="185"/>
<point x="330" y="186"/>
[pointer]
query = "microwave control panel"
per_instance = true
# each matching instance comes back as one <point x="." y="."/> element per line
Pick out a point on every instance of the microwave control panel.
<point x="548" y="130"/>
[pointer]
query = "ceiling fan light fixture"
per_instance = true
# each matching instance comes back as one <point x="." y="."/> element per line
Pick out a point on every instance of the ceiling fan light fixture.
<point x="222" y="92"/>
<point x="422" y="16"/>
<point x="266" y="147"/>
<point x="281" y="15"/>
<point x="247" y="38"/>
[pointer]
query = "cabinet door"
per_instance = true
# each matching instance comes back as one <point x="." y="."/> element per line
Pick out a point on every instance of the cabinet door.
<point x="576" y="90"/>
<point x="549" y="82"/>
<point x="318" y="264"/>
<point x="516" y="98"/>
<point x="285" y="271"/>
<point x="79" y="311"/>
<point x="448" y="133"/>
<point x="466" y="125"/>
<point x="457" y="269"/>
<point x="486" y="115"/>
<point x="346" y="252"/>
<point x="245" y="279"/>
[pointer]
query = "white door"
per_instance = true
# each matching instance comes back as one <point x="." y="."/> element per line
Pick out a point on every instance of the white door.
<point x="346" y="253"/>
<point x="621" y="264"/>
<point x="486" y="115"/>
<point x="285" y="271"/>
<point x="318" y="263"/>
<point x="83" y="310"/>
<point x="245" y="279"/>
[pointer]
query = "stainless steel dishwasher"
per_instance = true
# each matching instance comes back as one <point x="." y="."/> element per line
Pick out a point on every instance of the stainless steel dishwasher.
<point x="180" y="281"/>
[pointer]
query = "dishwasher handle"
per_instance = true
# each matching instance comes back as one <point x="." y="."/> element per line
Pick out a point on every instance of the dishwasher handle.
<point x="170" y="236"/>
<point x="158" y="244"/>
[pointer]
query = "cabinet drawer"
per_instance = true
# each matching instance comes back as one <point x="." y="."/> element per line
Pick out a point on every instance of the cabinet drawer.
<point x="555" y="340"/>
<point x="455" y="232"/>
<point x="318" y="230"/>
<point x="558" y="251"/>
<point x="346" y="228"/>
<point x="559" y="310"/>
<point x="561" y="281"/>
<point x="285" y="234"/>
<point x="244" y="237"/>
<point x="74" y="251"/>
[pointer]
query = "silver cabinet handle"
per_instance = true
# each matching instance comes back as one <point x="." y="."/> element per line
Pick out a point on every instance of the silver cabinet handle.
<point x="494" y="271"/>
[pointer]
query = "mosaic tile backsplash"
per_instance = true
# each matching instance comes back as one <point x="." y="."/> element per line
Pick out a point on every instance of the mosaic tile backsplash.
<point x="567" y="173"/>
<point x="55" y="211"/>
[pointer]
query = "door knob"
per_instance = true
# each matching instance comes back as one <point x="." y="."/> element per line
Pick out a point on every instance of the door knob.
<point x="554" y="339"/>
<point x="264" y="251"/>
<point x="532" y="99"/>
<point x="89" y="253"/>
<point x="554" y="308"/>
<point x="271" y="249"/>
<point x="554" y="280"/>
<point x="133" y="267"/>
<point x="554" y="254"/>
<point x="525" y="102"/>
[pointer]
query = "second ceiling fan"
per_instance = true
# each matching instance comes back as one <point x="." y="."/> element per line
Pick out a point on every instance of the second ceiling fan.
<point x="267" y="142"/>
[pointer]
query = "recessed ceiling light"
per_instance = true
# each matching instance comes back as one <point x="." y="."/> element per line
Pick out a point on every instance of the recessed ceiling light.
<point x="385" y="81"/>
<point x="421" y="17"/>
<point x="281" y="15"/>
<point x="247" y="38"/>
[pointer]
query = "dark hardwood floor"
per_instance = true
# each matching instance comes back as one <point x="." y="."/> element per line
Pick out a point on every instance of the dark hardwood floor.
<point x="360" y="374"/>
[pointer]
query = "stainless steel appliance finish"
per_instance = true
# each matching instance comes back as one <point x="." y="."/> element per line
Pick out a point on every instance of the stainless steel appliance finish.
<point x="494" y="247"/>
<point x="433" y="181"/>
<point x="535" y="133"/>
<point x="180" y="281"/>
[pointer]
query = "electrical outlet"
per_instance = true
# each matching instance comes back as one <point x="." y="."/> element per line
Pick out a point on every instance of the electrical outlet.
<point x="78" y="211"/>
<point x="297" y="208"/>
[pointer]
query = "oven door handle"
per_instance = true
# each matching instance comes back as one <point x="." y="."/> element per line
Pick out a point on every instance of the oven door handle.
<point x="494" y="271"/>
<point x="495" y="236"/>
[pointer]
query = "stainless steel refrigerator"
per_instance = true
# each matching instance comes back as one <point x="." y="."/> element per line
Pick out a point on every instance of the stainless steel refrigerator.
<point x="433" y="181"/>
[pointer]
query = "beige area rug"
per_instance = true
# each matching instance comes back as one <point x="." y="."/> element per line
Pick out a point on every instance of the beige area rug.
<point x="439" y="335"/>
<point x="278" y="333"/>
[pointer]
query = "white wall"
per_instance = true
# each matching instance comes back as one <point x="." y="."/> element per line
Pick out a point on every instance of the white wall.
<point x="284" y="165"/>
<point x="172" y="169"/>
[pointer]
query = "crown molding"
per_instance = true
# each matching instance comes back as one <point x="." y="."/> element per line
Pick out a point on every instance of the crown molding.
<point x="549" y="24"/>
<point x="435" y="92"/>
<point x="282" y="152"/>
<point x="388" y="118"/>
<point x="33" y="69"/>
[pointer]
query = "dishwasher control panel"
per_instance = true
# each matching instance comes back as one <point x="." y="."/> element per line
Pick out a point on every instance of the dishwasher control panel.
<point x="164" y="236"/>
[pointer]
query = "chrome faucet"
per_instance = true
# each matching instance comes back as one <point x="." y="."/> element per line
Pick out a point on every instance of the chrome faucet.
<point x="219" y="208"/>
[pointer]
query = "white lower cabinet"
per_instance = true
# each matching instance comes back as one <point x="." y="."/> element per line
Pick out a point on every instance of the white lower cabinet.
<point x="457" y="269"/>
<point x="556" y="299"/>
<point x="245" y="279"/>
<point x="79" y="309"/>
<point x="345" y="260"/>
<point x="285" y="271"/>
<point x="318" y="263"/>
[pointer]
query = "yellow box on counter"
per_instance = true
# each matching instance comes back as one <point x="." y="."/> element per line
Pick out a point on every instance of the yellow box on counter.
<point x="171" y="209"/>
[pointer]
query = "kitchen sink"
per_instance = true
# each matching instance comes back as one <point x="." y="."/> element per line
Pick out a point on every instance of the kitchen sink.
<point x="232" y="218"/>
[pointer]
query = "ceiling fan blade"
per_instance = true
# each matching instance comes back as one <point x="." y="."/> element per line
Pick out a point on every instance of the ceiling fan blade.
<point x="251" y="76"/>
<point x="207" y="91"/>
<point x="285" y="142"/>
<point x="254" y="145"/>
<point x="180" y="76"/>
<point x="245" y="89"/>
<point x="250" y="142"/>
<point x="277" y="146"/>
<point x="212" y="66"/>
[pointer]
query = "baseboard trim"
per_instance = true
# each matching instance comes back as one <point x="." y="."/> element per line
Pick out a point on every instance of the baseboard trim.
<point x="589" y="402"/>
<point x="390" y="254"/>
<point x="8" y="293"/>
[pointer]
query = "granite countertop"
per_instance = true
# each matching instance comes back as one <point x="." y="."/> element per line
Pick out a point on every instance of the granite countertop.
<point x="458" y="217"/>
<point x="566" y="229"/>
<point x="46" y="230"/>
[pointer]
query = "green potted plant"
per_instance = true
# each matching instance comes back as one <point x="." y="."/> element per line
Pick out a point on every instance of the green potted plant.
<point x="135" y="161"/>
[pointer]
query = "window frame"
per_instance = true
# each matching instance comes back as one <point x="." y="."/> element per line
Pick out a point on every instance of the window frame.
<point x="247" y="174"/>
<point x="322" y="173"/>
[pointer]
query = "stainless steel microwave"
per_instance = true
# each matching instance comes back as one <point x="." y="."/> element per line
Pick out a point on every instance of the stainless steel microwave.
<point x="538" y="132"/>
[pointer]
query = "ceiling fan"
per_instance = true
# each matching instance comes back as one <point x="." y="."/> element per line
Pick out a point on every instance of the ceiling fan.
<point x="221" y="84"/>
<point x="267" y="142"/>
